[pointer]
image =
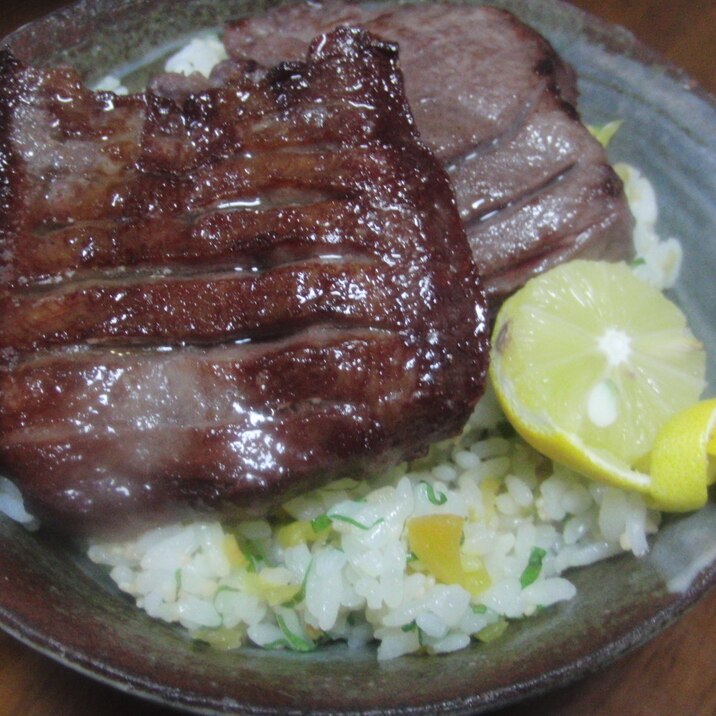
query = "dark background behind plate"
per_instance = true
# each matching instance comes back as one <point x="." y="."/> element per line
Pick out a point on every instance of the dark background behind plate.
<point x="674" y="674"/>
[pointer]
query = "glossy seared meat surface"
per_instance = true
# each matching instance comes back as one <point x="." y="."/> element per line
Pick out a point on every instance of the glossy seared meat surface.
<point x="209" y="305"/>
<point x="497" y="106"/>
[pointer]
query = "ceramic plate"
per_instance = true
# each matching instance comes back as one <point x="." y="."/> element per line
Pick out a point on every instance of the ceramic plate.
<point x="56" y="601"/>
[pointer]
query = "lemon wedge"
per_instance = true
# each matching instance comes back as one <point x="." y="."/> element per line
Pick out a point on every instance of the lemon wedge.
<point x="679" y="463"/>
<point x="589" y="363"/>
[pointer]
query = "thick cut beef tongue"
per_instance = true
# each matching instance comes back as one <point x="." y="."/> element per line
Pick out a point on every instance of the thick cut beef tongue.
<point x="496" y="104"/>
<point x="213" y="304"/>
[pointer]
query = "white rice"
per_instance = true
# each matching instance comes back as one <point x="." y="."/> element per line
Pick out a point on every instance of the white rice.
<point x="658" y="261"/>
<point x="358" y="582"/>
<point x="526" y="522"/>
<point x="110" y="83"/>
<point x="199" y="55"/>
<point x="12" y="505"/>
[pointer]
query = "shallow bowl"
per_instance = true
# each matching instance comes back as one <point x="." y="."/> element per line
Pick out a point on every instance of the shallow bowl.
<point x="57" y="602"/>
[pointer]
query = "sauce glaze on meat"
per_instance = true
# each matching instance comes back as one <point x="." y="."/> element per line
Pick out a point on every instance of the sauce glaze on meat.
<point x="211" y="305"/>
<point x="497" y="106"/>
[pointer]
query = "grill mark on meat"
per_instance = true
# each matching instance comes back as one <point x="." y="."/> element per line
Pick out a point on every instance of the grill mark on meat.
<point x="494" y="213"/>
<point x="575" y="239"/>
<point x="229" y="205"/>
<point x="85" y="356"/>
<point x="262" y="236"/>
<point x="268" y="251"/>
<point x="138" y="194"/>
<point x="276" y="199"/>
<point x="201" y="310"/>
<point x="485" y="208"/>
<point x="285" y="198"/>
<point x="494" y="142"/>
<point x="313" y="134"/>
<point x="118" y="275"/>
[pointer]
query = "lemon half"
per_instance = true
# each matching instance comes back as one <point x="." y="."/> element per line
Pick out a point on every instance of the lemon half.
<point x="589" y="363"/>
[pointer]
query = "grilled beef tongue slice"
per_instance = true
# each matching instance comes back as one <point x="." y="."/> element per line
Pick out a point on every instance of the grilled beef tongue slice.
<point x="497" y="106"/>
<point x="211" y="304"/>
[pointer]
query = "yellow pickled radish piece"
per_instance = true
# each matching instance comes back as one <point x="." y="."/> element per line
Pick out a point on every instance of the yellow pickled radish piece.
<point x="435" y="541"/>
<point x="233" y="552"/>
<point x="489" y="489"/>
<point x="679" y="461"/>
<point x="221" y="638"/>
<point x="476" y="578"/>
<point x="299" y="532"/>
<point x="274" y="593"/>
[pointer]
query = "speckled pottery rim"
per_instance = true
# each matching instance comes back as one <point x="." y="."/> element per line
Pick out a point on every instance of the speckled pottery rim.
<point x="56" y="602"/>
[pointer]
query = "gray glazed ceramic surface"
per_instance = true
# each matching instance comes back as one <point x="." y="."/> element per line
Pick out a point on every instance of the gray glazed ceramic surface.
<point x="54" y="600"/>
